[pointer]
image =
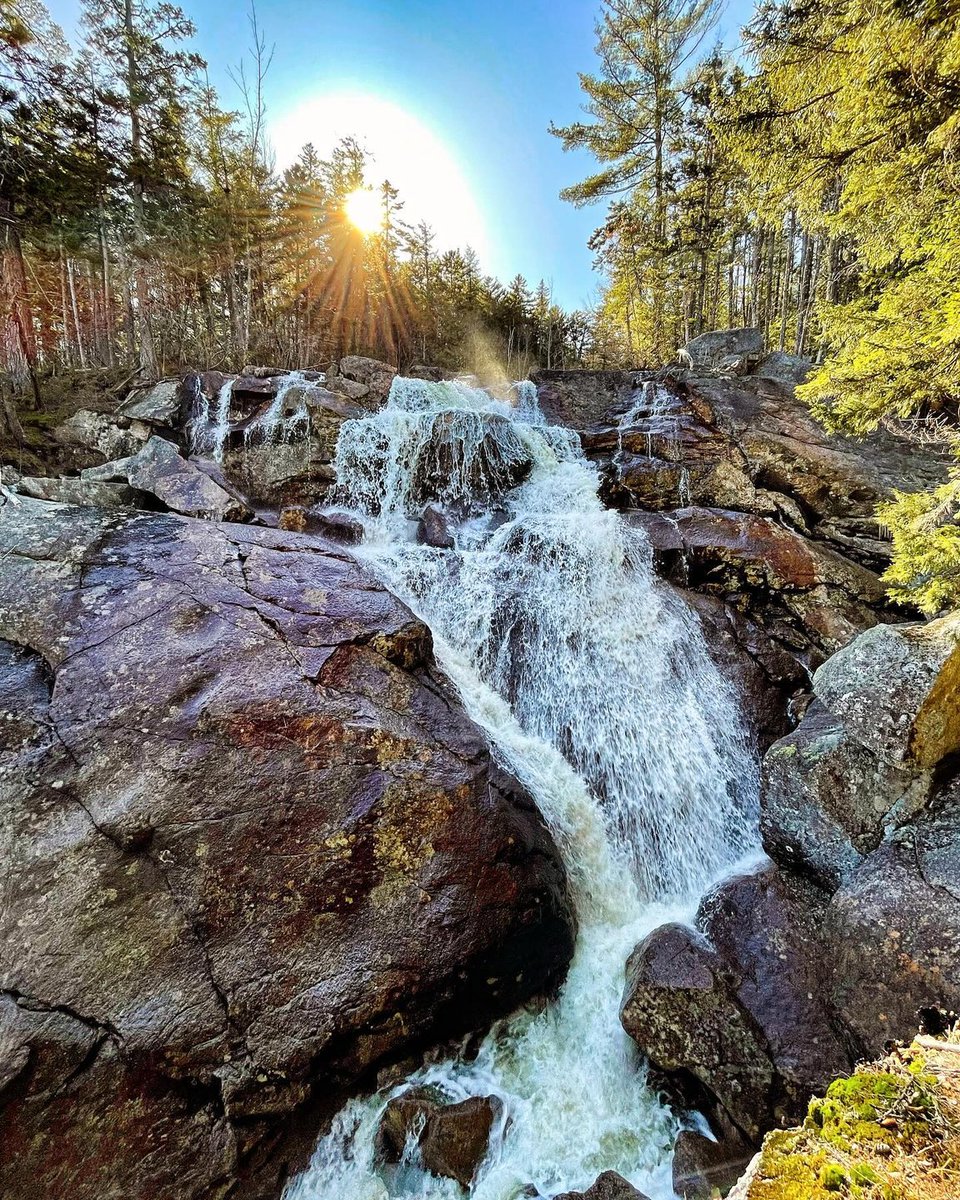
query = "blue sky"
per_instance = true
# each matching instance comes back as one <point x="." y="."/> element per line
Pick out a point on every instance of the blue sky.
<point x="467" y="90"/>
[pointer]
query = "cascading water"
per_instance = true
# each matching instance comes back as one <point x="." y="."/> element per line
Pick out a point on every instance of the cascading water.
<point x="276" y="424"/>
<point x="592" y="682"/>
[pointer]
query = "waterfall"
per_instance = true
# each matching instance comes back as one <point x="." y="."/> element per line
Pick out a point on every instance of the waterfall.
<point x="210" y="426"/>
<point x="592" y="682"/>
<point x="275" y="424"/>
<point x="209" y="429"/>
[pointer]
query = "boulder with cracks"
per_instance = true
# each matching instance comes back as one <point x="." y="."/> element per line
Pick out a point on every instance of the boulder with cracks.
<point x="252" y="844"/>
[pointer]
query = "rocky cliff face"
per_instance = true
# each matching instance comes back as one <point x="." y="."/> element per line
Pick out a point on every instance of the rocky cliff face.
<point x="252" y="848"/>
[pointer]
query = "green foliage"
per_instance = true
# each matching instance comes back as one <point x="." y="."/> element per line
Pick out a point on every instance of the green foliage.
<point x="925" y="528"/>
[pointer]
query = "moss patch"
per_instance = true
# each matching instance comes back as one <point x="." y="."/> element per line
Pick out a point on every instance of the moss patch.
<point x="891" y="1131"/>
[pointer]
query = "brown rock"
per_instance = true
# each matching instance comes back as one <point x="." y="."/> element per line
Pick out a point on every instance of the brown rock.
<point x="252" y="843"/>
<point x="700" y="1165"/>
<point x="736" y="1004"/>
<point x="892" y="931"/>
<point x="609" y="1186"/>
<point x="433" y="528"/>
<point x="453" y="1139"/>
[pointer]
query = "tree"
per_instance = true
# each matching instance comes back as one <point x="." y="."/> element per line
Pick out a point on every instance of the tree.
<point x="637" y="105"/>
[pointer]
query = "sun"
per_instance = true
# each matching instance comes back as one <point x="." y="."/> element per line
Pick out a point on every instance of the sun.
<point x="434" y="184"/>
<point x="364" y="211"/>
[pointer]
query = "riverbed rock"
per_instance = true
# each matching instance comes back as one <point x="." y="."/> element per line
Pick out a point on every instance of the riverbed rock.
<point x="71" y="490"/>
<point x="609" y="1186"/>
<point x="701" y="1164"/>
<point x="811" y="598"/>
<point x="433" y="528"/>
<point x="183" y="486"/>
<point x="453" y="1138"/>
<point x="768" y="680"/>
<point x="731" y="1012"/>
<point x="252" y="848"/>
<point x="897" y="691"/>
<point x="892" y="931"/>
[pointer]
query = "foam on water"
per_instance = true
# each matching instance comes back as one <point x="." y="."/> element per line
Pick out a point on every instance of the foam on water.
<point x="593" y="685"/>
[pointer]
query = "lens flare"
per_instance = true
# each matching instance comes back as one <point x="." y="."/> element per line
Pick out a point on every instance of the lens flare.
<point x="364" y="210"/>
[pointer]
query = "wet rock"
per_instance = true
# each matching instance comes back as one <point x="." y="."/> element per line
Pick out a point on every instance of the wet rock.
<point x="377" y="377"/>
<point x="827" y="802"/>
<point x="294" y="518"/>
<point x="453" y="1139"/>
<point x="701" y="1164"/>
<point x="784" y="580"/>
<point x="342" y="527"/>
<point x="182" y="486"/>
<point x="734" y="1007"/>
<point x="78" y="491"/>
<point x="433" y="528"/>
<point x="255" y="848"/>
<point x="578" y="398"/>
<point x="896" y="690"/>
<point x="609" y="1186"/>
<point x="767" y="678"/>
<point x="25" y="685"/>
<point x="154" y="404"/>
<point x="709" y="349"/>
<point x="99" y="435"/>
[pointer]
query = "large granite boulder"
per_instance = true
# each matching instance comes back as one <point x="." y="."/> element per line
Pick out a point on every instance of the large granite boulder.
<point x="892" y="931"/>
<point x="793" y="974"/>
<point x="252" y="847"/>
<point x="183" y="486"/>
<point x="712" y="349"/>
<point x="155" y="403"/>
<point x="104" y="493"/>
<point x="827" y="802"/>
<point x="897" y="691"/>
<point x="87" y="437"/>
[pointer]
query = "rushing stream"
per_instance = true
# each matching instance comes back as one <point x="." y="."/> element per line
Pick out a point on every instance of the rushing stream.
<point x="592" y="682"/>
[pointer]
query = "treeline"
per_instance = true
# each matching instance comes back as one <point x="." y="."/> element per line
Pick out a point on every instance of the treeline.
<point x="698" y="233"/>
<point x="809" y="185"/>
<point x="143" y="223"/>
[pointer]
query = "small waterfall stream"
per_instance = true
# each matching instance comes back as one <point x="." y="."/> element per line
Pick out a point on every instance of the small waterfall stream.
<point x="592" y="682"/>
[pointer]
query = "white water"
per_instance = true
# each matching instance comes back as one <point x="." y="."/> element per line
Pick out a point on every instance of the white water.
<point x="210" y="426"/>
<point x="594" y="687"/>
<point x="275" y="424"/>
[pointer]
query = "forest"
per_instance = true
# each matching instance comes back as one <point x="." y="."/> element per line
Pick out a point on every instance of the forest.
<point x="805" y="183"/>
